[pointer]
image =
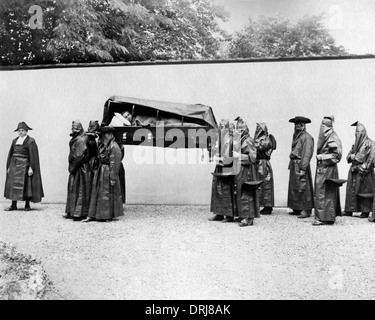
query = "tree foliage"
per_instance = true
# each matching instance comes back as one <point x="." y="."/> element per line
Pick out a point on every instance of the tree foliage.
<point x="21" y="44"/>
<point x="110" y="31"/>
<point x="276" y="37"/>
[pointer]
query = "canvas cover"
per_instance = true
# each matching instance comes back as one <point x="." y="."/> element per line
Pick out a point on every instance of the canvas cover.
<point x="151" y="112"/>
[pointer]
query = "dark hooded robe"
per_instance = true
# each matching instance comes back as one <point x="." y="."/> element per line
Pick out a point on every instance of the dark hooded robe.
<point x="223" y="179"/>
<point x="329" y="153"/>
<point x="19" y="186"/>
<point x="92" y="146"/>
<point x="265" y="148"/>
<point x="79" y="183"/>
<point x="246" y="198"/>
<point x="106" y="200"/>
<point x="360" y="186"/>
<point x="300" y="190"/>
<point x="231" y="197"/>
<point x="122" y="175"/>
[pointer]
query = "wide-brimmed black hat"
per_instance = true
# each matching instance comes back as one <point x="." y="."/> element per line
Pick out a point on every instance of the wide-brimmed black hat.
<point x="300" y="119"/>
<point x="222" y="174"/>
<point x="354" y="124"/>
<point x="336" y="182"/>
<point x="366" y="195"/>
<point x="253" y="184"/>
<point x="107" y="129"/>
<point x="273" y="142"/>
<point x="23" y="125"/>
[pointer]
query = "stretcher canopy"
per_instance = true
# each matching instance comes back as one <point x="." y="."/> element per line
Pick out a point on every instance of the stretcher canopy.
<point x="149" y="112"/>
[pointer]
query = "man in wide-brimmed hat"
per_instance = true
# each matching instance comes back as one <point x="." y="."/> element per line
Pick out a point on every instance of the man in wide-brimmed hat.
<point x="106" y="200"/>
<point x="23" y="181"/>
<point x="300" y="190"/>
<point x="360" y="188"/>
<point x="79" y="183"/>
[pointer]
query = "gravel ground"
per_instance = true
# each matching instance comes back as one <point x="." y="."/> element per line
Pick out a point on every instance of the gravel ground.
<point x="174" y="252"/>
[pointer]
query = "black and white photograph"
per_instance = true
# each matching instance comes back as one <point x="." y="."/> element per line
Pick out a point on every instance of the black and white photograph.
<point x="201" y="151"/>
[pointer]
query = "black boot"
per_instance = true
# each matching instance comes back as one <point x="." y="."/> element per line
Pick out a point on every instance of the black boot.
<point x="295" y="212"/>
<point x="305" y="214"/>
<point x="12" y="207"/>
<point x="347" y="214"/>
<point x="266" y="210"/>
<point x="216" y="217"/>
<point x="246" y="222"/>
<point x="364" y="215"/>
<point x="27" y="205"/>
<point x="227" y="219"/>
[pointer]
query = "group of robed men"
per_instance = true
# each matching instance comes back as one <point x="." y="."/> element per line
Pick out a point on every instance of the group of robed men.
<point x="96" y="185"/>
<point x="242" y="182"/>
<point x="245" y="182"/>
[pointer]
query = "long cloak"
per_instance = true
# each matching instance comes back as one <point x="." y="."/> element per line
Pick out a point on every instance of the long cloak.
<point x="327" y="195"/>
<point x="222" y="186"/>
<point x="263" y="166"/>
<point x="300" y="189"/>
<point x="79" y="182"/>
<point x="230" y="195"/>
<point x="19" y="186"/>
<point x="360" y="185"/>
<point x="106" y="200"/>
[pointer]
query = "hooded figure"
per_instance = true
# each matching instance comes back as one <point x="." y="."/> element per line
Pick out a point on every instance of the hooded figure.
<point x="222" y="181"/>
<point x="246" y="184"/>
<point x="360" y="187"/>
<point x="231" y="196"/>
<point x="265" y="145"/>
<point x="92" y="142"/>
<point x="79" y="183"/>
<point x="106" y="201"/>
<point x="327" y="195"/>
<point x="300" y="190"/>
<point x="23" y="180"/>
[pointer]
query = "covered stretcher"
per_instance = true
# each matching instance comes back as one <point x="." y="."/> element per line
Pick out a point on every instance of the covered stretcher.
<point x="162" y="124"/>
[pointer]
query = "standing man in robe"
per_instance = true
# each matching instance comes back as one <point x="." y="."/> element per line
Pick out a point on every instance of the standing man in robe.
<point x="327" y="195"/>
<point x="222" y="183"/>
<point x="265" y="144"/>
<point x="92" y="143"/>
<point x="106" y="200"/>
<point x="246" y="199"/>
<point x="360" y="187"/>
<point x="79" y="183"/>
<point x="300" y="190"/>
<point x="23" y="180"/>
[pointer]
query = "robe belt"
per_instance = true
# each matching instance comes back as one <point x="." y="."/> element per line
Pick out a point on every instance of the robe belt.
<point x="18" y="155"/>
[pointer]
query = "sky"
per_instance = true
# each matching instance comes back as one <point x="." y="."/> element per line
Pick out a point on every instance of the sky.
<point x="351" y="22"/>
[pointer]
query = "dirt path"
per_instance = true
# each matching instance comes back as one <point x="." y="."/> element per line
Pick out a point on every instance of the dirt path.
<point x="174" y="252"/>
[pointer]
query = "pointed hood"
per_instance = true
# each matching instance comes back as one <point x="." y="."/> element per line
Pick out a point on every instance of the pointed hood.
<point x="326" y="129"/>
<point x="360" y="136"/>
<point x="261" y="130"/>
